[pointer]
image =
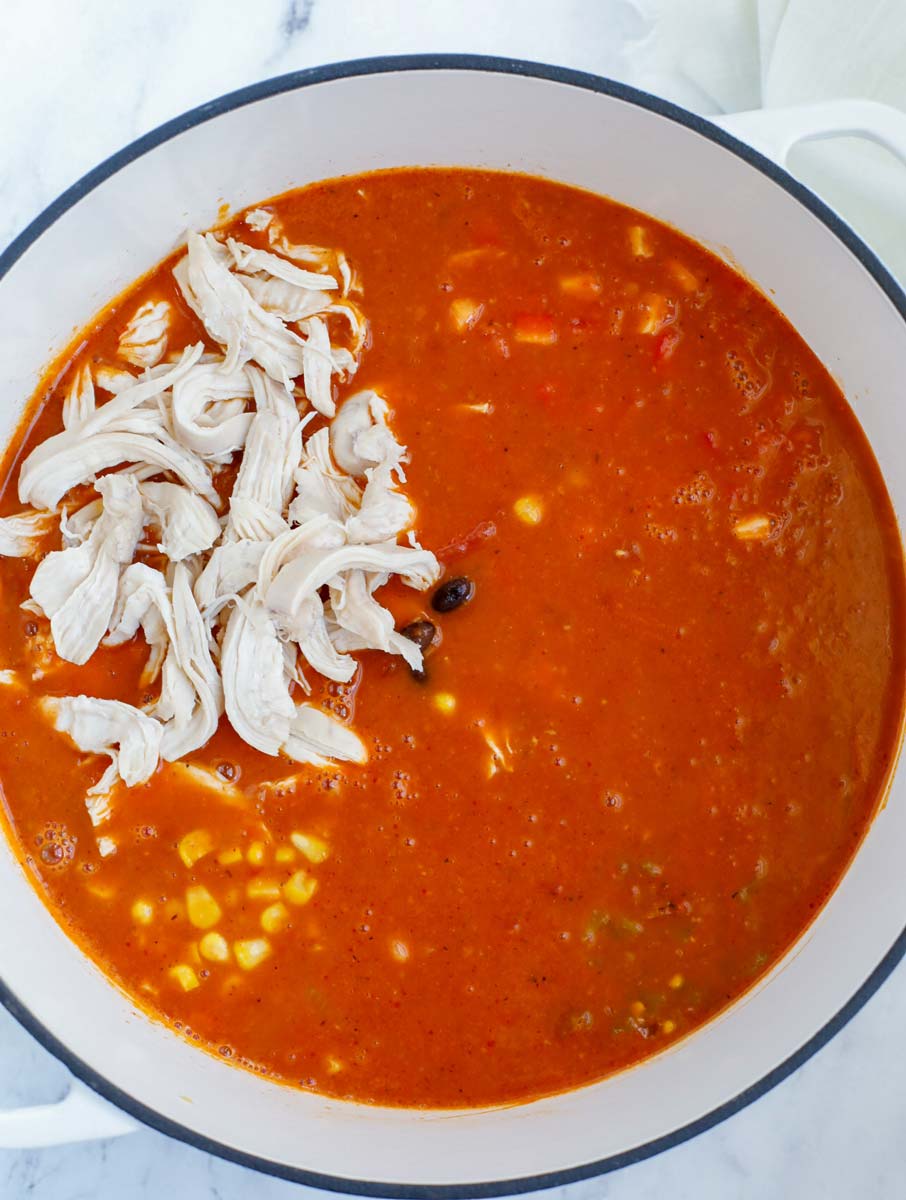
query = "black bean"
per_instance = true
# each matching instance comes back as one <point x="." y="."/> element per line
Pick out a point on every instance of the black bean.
<point x="420" y="632"/>
<point x="452" y="594"/>
<point x="423" y="634"/>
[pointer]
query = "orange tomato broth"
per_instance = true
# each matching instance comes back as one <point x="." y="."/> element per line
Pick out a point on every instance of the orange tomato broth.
<point x="692" y="728"/>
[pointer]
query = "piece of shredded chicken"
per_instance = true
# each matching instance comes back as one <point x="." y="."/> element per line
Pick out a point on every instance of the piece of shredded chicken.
<point x="246" y="592"/>
<point x="144" y="340"/>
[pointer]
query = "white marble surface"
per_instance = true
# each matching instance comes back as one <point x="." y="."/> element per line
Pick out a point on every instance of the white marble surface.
<point x="81" y="78"/>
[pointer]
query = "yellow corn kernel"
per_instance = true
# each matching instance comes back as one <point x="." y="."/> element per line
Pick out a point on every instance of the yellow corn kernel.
<point x="227" y="858"/>
<point x="313" y="848"/>
<point x="585" y="286"/>
<point x="675" y="981"/>
<point x="213" y="946"/>
<point x="195" y="845"/>
<point x="299" y="888"/>
<point x="202" y="909"/>
<point x="668" y="1026"/>
<point x="193" y="955"/>
<point x="399" y="950"/>
<point x="274" y="917"/>
<point x="256" y="853"/>
<point x="103" y="891"/>
<point x="639" y="242"/>
<point x="334" y="1066"/>
<point x="529" y="509"/>
<point x="284" y="854"/>
<point x="143" y="912"/>
<point x="262" y="889"/>
<point x="654" y="313"/>
<point x="185" y="976"/>
<point x="753" y="529"/>
<point x="251" y="952"/>
<point x="683" y="276"/>
<point x="464" y="314"/>
<point x="445" y="702"/>
<point x="637" y="1008"/>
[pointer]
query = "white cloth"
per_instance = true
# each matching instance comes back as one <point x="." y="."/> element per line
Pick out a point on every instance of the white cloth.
<point x="733" y="55"/>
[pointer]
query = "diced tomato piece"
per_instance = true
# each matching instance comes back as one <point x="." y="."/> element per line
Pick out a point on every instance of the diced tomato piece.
<point x="536" y="329"/>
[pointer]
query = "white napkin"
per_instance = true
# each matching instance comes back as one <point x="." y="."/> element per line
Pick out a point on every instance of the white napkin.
<point x="733" y="55"/>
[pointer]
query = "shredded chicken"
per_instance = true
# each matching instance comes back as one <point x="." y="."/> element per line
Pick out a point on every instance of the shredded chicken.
<point x="255" y="589"/>
<point x="144" y="340"/>
<point x="21" y="535"/>
<point x="125" y="734"/>
<point x="76" y="587"/>
<point x="188" y="524"/>
<point x="129" y="428"/>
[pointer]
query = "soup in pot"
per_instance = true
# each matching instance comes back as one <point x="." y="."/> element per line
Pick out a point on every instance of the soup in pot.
<point x="452" y="638"/>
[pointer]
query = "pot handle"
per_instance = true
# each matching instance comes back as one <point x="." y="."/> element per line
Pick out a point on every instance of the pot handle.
<point x="775" y="131"/>
<point x="81" y="1116"/>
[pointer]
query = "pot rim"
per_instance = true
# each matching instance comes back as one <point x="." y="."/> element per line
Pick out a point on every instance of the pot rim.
<point x="380" y="65"/>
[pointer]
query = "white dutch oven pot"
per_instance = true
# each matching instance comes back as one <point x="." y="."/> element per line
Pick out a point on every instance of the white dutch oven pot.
<point x="126" y="215"/>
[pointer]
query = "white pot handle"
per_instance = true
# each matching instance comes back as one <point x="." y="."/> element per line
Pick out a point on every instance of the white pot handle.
<point x="81" y="1116"/>
<point x="775" y="131"/>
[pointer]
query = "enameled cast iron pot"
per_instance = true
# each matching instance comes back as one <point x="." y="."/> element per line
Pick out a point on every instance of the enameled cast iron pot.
<point x="130" y="212"/>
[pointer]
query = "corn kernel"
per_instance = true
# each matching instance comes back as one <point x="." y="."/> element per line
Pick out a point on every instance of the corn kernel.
<point x="193" y="955"/>
<point x="675" y="981"/>
<point x="584" y="286"/>
<point x="668" y="1026"/>
<point x="465" y="314"/>
<point x="445" y="702"/>
<point x="262" y="889"/>
<point x="299" y="888"/>
<point x="103" y="891"/>
<point x="202" y="909"/>
<point x="535" y="329"/>
<point x="399" y="950"/>
<point x="251" y="952"/>
<point x="256" y="853"/>
<point x="529" y="509"/>
<point x="683" y="276"/>
<point x="227" y="858"/>
<point x="637" y="1008"/>
<point x="213" y="946"/>
<point x="184" y="975"/>
<point x="639" y="242"/>
<point x="195" y="845"/>
<point x="313" y="848"/>
<point x="274" y="917"/>
<point x="753" y="529"/>
<point x="143" y="912"/>
<point x="334" y="1066"/>
<point x="284" y="854"/>
<point x="654" y="313"/>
